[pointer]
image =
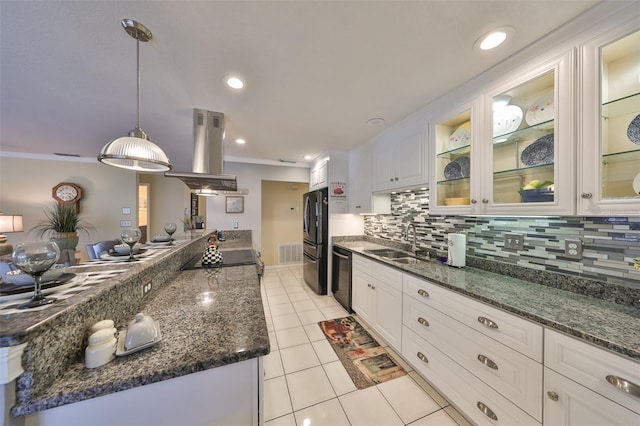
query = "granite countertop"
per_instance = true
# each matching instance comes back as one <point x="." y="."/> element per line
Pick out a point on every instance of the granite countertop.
<point x="606" y="324"/>
<point x="208" y="318"/>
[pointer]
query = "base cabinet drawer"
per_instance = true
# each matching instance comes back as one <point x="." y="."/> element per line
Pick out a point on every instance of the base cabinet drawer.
<point x="569" y="403"/>
<point x="477" y="400"/>
<point x="517" y="333"/>
<point x="613" y="376"/>
<point x="515" y="376"/>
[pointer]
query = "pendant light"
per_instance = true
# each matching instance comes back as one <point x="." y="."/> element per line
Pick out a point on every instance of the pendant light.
<point x="135" y="151"/>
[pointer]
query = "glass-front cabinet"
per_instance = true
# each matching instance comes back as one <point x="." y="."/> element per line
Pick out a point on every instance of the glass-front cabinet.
<point x="610" y="167"/>
<point x="529" y="154"/>
<point x="452" y="138"/>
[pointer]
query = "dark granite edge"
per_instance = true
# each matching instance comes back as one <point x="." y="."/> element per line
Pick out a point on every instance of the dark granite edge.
<point x="598" y="341"/>
<point x="609" y="291"/>
<point x="135" y="382"/>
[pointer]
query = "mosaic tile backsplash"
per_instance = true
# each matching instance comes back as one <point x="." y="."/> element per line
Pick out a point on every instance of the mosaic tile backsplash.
<point x="609" y="243"/>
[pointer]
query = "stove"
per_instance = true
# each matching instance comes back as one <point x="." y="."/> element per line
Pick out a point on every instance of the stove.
<point x="230" y="257"/>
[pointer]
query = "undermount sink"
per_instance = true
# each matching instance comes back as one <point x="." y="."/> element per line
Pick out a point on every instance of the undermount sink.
<point x="407" y="260"/>
<point x="388" y="253"/>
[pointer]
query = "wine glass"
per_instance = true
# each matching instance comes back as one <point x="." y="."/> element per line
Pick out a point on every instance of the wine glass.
<point x="35" y="259"/>
<point x="130" y="236"/>
<point x="170" y="228"/>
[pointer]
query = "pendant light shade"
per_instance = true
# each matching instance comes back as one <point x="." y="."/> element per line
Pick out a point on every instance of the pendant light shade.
<point x="135" y="151"/>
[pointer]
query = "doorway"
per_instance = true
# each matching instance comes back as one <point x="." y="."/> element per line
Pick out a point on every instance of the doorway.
<point x="144" y="210"/>
<point x="281" y="222"/>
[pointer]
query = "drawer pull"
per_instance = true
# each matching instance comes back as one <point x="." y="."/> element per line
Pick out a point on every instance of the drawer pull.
<point x="369" y="285"/>
<point x="487" y="361"/>
<point x="487" y="322"/>
<point x="552" y="396"/>
<point x="423" y="322"/>
<point x="422" y="357"/>
<point x="487" y="411"/>
<point x="423" y="293"/>
<point x="624" y="385"/>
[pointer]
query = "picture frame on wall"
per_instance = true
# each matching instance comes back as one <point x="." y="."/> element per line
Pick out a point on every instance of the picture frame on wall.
<point x="234" y="204"/>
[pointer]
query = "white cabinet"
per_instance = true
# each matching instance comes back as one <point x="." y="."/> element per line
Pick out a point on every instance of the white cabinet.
<point x="514" y="332"/>
<point x="611" y="382"/>
<point x="531" y="143"/>
<point x="475" y="399"/>
<point x="454" y="138"/>
<point x="609" y="176"/>
<point x="498" y="349"/>
<point x="569" y="403"/>
<point x="377" y="298"/>
<point x="319" y="177"/>
<point x="361" y="198"/>
<point x="400" y="163"/>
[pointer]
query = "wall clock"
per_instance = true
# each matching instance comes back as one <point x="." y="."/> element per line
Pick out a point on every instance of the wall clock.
<point x="67" y="193"/>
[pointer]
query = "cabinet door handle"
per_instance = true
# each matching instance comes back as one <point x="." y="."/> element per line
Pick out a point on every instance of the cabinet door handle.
<point x="586" y="195"/>
<point x="473" y="201"/>
<point x="396" y="178"/>
<point x="624" y="385"/>
<point x="369" y="285"/>
<point x="423" y="293"/>
<point x="422" y="357"/>
<point x="391" y="180"/>
<point x="487" y="361"/>
<point x="485" y="201"/>
<point x="423" y="322"/>
<point x="487" y="322"/>
<point x="373" y="287"/>
<point x="487" y="411"/>
<point x="552" y="395"/>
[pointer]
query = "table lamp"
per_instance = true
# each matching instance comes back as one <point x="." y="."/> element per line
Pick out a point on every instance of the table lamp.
<point x="8" y="223"/>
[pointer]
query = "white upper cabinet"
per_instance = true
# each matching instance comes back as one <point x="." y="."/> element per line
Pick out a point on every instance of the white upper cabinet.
<point x="400" y="163"/>
<point x="319" y="175"/>
<point x="512" y="150"/>
<point x="528" y="149"/>
<point x="361" y="198"/>
<point x="454" y="138"/>
<point x="609" y="173"/>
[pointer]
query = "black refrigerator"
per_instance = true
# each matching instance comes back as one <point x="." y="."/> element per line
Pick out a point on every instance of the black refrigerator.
<point x="315" y="239"/>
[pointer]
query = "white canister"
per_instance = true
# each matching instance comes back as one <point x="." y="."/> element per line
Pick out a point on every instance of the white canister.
<point x="101" y="349"/>
<point x="456" y="254"/>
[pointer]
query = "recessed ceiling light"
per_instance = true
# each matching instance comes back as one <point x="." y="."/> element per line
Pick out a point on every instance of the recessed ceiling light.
<point x="240" y="141"/>
<point x="493" y="38"/>
<point x="235" y="82"/>
<point x="375" y="121"/>
<point x="307" y="157"/>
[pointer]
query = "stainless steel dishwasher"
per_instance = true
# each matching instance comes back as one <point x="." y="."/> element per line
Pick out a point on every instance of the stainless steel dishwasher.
<point x="341" y="277"/>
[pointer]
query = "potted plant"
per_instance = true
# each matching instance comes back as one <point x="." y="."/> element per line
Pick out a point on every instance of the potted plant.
<point x="62" y="223"/>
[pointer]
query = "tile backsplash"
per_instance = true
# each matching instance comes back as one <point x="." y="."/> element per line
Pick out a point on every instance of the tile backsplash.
<point x="609" y="243"/>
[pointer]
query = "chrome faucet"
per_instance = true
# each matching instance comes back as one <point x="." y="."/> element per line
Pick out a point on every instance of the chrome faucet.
<point x="414" y="249"/>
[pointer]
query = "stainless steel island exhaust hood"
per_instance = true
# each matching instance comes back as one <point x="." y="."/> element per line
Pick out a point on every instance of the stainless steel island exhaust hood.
<point x="208" y="156"/>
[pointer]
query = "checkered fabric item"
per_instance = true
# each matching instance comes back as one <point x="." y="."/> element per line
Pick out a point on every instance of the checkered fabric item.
<point x="81" y="282"/>
<point x="212" y="256"/>
<point x="106" y="259"/>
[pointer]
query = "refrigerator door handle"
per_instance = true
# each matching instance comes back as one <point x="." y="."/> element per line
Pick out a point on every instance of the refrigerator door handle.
<point x="306" y="219"/>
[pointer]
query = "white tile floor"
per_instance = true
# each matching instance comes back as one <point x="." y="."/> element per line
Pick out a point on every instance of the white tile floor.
<point x="305" y="383"/>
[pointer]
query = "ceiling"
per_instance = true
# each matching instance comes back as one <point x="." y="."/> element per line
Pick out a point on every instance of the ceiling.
<point x="315" y="71"/>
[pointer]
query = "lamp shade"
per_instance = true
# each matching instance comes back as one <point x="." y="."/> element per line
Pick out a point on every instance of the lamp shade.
<point x="10" y="223"/>
<point x="134" y="153"/>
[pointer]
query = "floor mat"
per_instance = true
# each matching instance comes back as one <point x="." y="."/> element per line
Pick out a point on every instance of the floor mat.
<point x="365" y="360"/>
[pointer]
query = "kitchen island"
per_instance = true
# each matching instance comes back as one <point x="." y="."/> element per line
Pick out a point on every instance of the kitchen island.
<point x="212" y="324"/>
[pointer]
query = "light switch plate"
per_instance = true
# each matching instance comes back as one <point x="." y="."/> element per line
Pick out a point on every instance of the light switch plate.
<point x="126" y="210"/>
<point x="514" y="241"/>
<point x="125" y="224"/>
<point x="573" y="249"/>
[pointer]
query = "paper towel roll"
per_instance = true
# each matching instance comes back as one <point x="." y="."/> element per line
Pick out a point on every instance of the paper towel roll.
<point x="457" y="250"/>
